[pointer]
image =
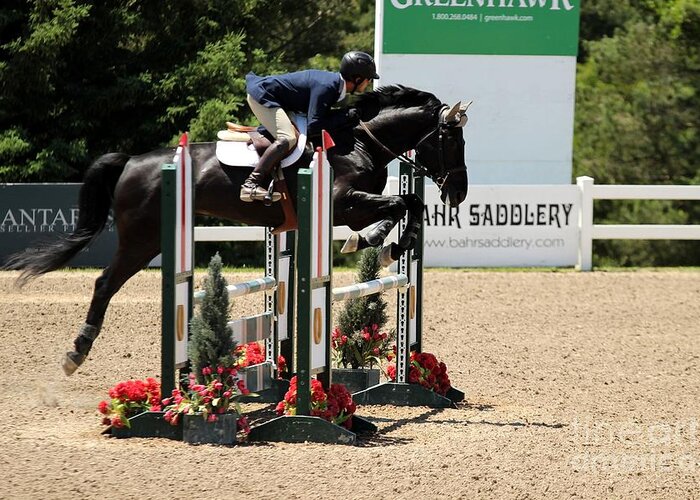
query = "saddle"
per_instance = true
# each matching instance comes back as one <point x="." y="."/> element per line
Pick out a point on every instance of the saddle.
<point x="242" y="146"/>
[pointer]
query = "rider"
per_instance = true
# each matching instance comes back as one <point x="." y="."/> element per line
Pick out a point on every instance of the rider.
<point x="312" y="92"/>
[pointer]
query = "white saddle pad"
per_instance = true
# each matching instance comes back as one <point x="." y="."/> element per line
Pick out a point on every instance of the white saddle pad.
<point x="240" y="154"/>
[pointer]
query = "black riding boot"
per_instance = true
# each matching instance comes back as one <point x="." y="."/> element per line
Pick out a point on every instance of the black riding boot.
<point x="251" y="190"/>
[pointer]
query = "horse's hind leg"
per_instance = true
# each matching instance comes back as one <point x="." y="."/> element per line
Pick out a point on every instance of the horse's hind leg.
<point x="124" y="265"/>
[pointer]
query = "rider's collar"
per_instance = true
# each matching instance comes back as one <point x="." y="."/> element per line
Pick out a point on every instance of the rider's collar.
<point x="343" y="92"/>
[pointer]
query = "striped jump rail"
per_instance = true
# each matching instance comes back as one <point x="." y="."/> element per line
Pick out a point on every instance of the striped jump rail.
<point x="244" y="288"/>
<point x="370" y="287"/>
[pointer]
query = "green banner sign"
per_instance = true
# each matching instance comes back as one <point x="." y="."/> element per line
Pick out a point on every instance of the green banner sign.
<point x="499" y="27"/>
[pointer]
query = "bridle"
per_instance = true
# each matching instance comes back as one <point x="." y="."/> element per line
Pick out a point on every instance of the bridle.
<point x="441" y="129"/>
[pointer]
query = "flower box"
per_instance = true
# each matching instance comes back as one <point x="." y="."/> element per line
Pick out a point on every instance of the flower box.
<point x="197" y="430"/>
<point x="356" y="380"/>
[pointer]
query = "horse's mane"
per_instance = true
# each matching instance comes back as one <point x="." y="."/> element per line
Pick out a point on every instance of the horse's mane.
<point x="395" y="97"/>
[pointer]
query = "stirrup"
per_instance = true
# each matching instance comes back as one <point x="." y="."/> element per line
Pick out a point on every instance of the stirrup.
<point x="258" y="194"/>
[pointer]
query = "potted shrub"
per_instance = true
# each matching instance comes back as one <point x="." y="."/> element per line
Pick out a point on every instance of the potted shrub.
<point x="210" y="411"/>
<point x="358" y="345"/>
<point x="208" y="403"/>
<point x="360" y="355"/>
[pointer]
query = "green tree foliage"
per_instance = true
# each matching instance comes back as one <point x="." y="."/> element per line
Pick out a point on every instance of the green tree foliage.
<point x="83" y="77"/>
<point x="602" y="18"/>
<point x="364" y="311"/>
<point x="360" y="34"/>
<point x="211" y="342"/>
<point x="637" y="117"/>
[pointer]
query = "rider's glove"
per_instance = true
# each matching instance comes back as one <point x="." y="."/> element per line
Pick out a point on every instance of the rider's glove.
<point x="353" y="116"/>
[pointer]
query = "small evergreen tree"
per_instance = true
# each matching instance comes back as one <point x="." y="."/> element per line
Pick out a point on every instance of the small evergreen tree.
<point x="367" y="311"/>
<point x="357" y="340"/>
<point x="211" y="342"/>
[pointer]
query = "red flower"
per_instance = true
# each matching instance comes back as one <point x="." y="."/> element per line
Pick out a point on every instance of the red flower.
<point x="426" y="360"/>
<point x="103" y="407"/>
<point x="243" y="424"/>
<point x="426" y="371"/>
<point x="249" y="354"/>
<point x="336" y="405"/>
<point x="129" y="398"/>
<point x="281" y="363"/>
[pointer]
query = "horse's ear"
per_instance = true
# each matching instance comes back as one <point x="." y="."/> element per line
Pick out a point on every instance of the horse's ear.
<point x="463" y="114"/>
<point x="450" y="117"/>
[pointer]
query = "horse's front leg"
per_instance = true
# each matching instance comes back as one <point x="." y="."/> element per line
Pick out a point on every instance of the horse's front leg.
<point x="392" y="252"/>
<point x="415" y="215"/>
<point x="360" y="209"/>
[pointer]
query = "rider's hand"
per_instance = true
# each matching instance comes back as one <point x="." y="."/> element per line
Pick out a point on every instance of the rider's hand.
<point x="353" y="117"/>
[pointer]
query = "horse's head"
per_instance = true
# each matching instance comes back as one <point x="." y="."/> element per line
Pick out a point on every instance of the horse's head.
<point x="400" y="118"/>
<point x="441" y="153"/>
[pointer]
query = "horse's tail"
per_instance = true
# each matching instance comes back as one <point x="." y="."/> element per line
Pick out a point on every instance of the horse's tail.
<point x="96" y="195"/>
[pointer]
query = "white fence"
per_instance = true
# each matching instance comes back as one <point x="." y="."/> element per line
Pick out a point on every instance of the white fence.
<point x="247" y="233"/>
<point x="582" y="237"/>
<point x="589" y="231"/>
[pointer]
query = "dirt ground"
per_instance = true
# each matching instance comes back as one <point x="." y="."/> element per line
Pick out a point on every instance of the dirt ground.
<point x="580" y="385"/>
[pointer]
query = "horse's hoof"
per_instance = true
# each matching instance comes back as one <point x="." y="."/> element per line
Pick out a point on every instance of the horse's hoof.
<point x="351" y="243"/>
<point x="72" y="361"/>
<point x="385" y="259"/>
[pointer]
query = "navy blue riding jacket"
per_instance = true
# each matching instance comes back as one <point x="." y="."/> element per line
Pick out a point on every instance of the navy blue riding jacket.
<point x="312" y="92"/>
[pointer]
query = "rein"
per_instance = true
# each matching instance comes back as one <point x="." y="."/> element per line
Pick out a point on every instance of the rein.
<point x="415" y="164"/>
<point x="419" y="169"/>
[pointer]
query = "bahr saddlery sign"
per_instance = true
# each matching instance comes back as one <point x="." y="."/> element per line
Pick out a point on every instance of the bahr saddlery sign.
<point x="503" y="27"/>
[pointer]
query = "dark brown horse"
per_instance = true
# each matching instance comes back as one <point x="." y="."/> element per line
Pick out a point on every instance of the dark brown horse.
<point x="396" y="119"/>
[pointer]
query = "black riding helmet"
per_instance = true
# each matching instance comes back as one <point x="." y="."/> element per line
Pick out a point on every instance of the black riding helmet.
<point x="358" y="64"/>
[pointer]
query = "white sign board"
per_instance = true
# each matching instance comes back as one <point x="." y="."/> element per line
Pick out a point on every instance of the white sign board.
<point x="520" y="128"/>
<point x="519" y="226"/>
<point x="515" y="60"/>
